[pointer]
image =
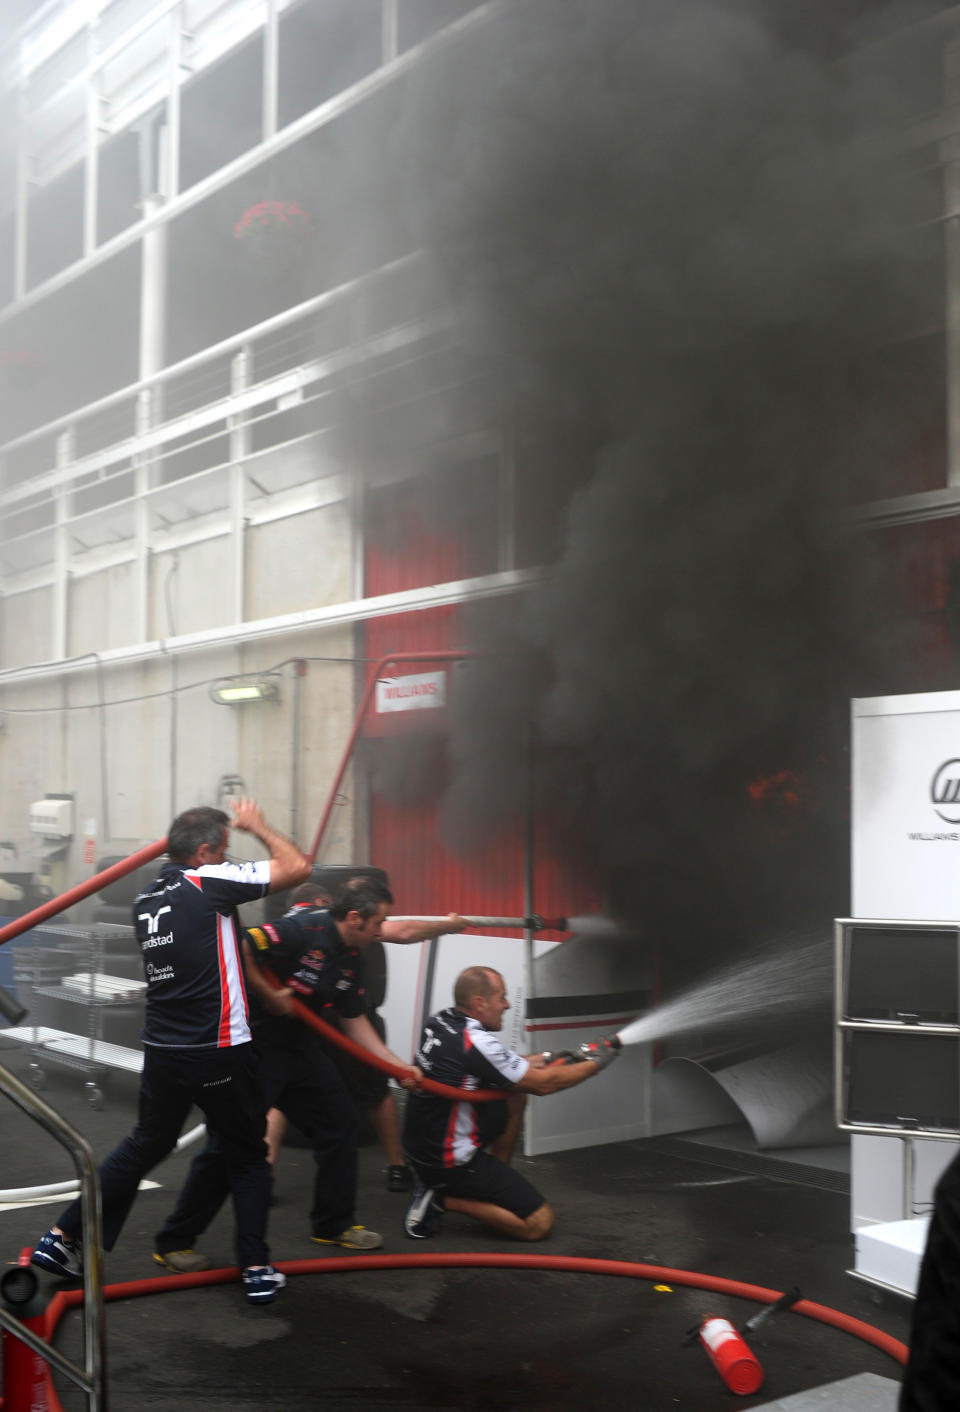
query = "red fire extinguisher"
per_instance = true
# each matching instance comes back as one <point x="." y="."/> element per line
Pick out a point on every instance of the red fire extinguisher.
<point x="731" y="1357"/>
<point x="25" y="1373"/>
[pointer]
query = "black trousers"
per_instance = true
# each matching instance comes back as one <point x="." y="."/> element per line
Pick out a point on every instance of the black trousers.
<point x="224" y="1084"/>
<point x="931" y="1382"/>
<point x="306" y="1086"/>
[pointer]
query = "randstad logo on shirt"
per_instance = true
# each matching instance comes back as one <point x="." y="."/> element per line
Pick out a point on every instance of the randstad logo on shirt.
<point x="156" y="941"/>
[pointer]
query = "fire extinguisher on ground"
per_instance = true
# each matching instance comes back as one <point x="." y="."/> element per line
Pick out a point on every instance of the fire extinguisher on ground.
<point x="730" y="1355"/>
<point x="25" y="1373"/>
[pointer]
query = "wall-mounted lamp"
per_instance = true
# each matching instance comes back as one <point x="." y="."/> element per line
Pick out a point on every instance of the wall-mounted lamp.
<point x="236" y="691"/>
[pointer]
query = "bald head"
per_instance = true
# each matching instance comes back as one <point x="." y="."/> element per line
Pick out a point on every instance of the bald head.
<point x="480" y="992"/>
<point x="475" y="980"/>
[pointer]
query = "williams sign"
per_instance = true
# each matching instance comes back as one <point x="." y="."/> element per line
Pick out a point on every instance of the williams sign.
<point x="945" y="792"/>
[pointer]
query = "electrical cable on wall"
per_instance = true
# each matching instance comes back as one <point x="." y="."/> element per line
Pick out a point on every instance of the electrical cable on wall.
<point x="172" y="691"/>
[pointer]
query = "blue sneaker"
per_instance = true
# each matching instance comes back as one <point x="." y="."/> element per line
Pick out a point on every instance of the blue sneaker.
<point x="424" y="1214"/>
<point x="59" y="1256"/>
<point x="261" y="1284"/>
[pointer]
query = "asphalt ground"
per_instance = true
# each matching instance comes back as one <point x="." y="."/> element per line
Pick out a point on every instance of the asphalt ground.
<point x="467" y="1340"/>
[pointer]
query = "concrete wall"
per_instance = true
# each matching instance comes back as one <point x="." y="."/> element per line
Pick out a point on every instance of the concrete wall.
<point x="136" y="744"/>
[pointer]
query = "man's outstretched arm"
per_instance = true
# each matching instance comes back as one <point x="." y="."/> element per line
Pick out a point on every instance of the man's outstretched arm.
<point x="288" y="866"/>
<point x="404" y="931"/>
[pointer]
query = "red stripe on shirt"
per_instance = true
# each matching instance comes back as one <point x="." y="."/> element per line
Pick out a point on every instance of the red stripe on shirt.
<point x="449" y="1140"/>
<point x="223" y="1039"/>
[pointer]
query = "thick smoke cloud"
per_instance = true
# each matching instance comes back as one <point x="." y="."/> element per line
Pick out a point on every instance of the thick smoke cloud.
<point x="671" y="233"/>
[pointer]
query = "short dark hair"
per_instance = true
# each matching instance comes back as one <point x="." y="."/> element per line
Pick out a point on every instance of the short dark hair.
<point x="310" y="892"/>
<point x="363" y="895"/>
<point x="192" y="828"/>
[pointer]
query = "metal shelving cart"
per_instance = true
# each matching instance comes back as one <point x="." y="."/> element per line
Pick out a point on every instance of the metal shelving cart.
<point x="64" y="963"/>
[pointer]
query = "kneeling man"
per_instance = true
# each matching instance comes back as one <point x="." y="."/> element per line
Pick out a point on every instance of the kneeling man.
<point x="446" y="1142"/>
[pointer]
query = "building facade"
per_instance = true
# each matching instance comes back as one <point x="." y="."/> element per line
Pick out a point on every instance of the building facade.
<point x="223" y="357"/>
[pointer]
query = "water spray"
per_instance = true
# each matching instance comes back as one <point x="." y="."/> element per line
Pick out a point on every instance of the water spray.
<point x="797" y="978"/>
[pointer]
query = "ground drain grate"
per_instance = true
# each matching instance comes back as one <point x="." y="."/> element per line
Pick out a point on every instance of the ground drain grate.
<point x="754" y="1163"/>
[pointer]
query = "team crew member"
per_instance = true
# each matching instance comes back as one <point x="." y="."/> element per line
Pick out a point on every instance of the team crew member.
<point x="369" y="1087"/>
<point x="445" y="1140"/>
<point x="931" y="1382"/>
<point x="319" y="954"/>
<point x="196" y="1039"/>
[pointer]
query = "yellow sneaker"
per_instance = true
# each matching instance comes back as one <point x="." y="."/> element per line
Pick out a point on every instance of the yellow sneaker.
<point x="182" y="1262"/>
<point x="353" y="1238"/>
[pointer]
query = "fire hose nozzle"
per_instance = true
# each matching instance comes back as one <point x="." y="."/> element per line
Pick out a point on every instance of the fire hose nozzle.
<point x="601" y="1051"/>
<point x="536" y="923"/>
<point x="786" y="1301"/>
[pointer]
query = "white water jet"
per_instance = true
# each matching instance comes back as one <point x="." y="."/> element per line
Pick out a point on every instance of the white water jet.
<point x="796" y="978"/>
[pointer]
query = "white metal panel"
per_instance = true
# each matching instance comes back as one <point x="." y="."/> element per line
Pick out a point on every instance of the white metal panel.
<point x="890" y="1252"/>
<point x="906" y="839"/>
<point x="905" y="857"/>
<point x="407" y="1004"/>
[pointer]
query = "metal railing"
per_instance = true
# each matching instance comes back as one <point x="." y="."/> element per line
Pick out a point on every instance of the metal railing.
<point x="91" y="1378"/>
<point x="70" y="489"/>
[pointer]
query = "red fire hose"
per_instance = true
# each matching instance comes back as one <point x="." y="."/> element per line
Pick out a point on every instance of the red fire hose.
<point x="84" y="889"/>
<point x="662" y="1274"/>
<point x="480" y="1095"/>
<point x="146" y="855"/>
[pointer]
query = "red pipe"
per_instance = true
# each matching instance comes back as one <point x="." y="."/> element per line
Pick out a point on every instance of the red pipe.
<point x="439" y="654"/>
<point x="84" y="889"/>
<point x="146" y="855"/>
<point x="662" y="1274"/>
<point x="308" y="1017"/>
<point x="153" y="850"/>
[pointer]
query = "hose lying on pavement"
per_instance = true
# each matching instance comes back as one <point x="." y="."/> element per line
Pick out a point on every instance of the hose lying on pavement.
<point x="662" y="1274"/>
<point x="37" y="1193"/>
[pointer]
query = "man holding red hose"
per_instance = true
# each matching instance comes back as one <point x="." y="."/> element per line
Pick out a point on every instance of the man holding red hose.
<point x="196" y="1038"/>
<point x="318" y="953"/>
<point x="445" y="1141"/>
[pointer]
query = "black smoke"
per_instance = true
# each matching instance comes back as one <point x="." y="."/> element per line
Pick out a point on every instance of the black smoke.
<point x="675" y="237"/>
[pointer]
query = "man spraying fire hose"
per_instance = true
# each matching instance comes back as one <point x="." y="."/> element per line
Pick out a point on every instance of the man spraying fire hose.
<point x="446" y="1142"/>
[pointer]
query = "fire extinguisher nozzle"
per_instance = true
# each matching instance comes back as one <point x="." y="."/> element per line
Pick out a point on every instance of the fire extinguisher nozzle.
<point x="18" y="1285"/>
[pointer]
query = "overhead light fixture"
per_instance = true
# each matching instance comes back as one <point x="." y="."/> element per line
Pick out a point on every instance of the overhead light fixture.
<point x="236" y="691"/>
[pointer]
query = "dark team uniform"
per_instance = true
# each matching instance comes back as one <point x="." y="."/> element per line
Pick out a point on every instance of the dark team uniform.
<point x="368" y="1086"/>
<point x="931" y="1382"/>
<point x="188" y="934"/>
<point x="305" y="951"/>
<point x="197" y="1046"/>
<point x="444" y="1139"/>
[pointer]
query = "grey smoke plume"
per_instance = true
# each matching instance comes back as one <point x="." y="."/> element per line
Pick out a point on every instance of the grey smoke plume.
<point x="671" y="232"/>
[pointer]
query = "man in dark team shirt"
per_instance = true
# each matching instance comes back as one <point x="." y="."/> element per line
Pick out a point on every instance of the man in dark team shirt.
<point x="445" y="1141"/>
<point x="369" y="1087"/>
<point x="318" y="953"/>
<point x="931" y="1380"/>
<point x="196" y="1039"/>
